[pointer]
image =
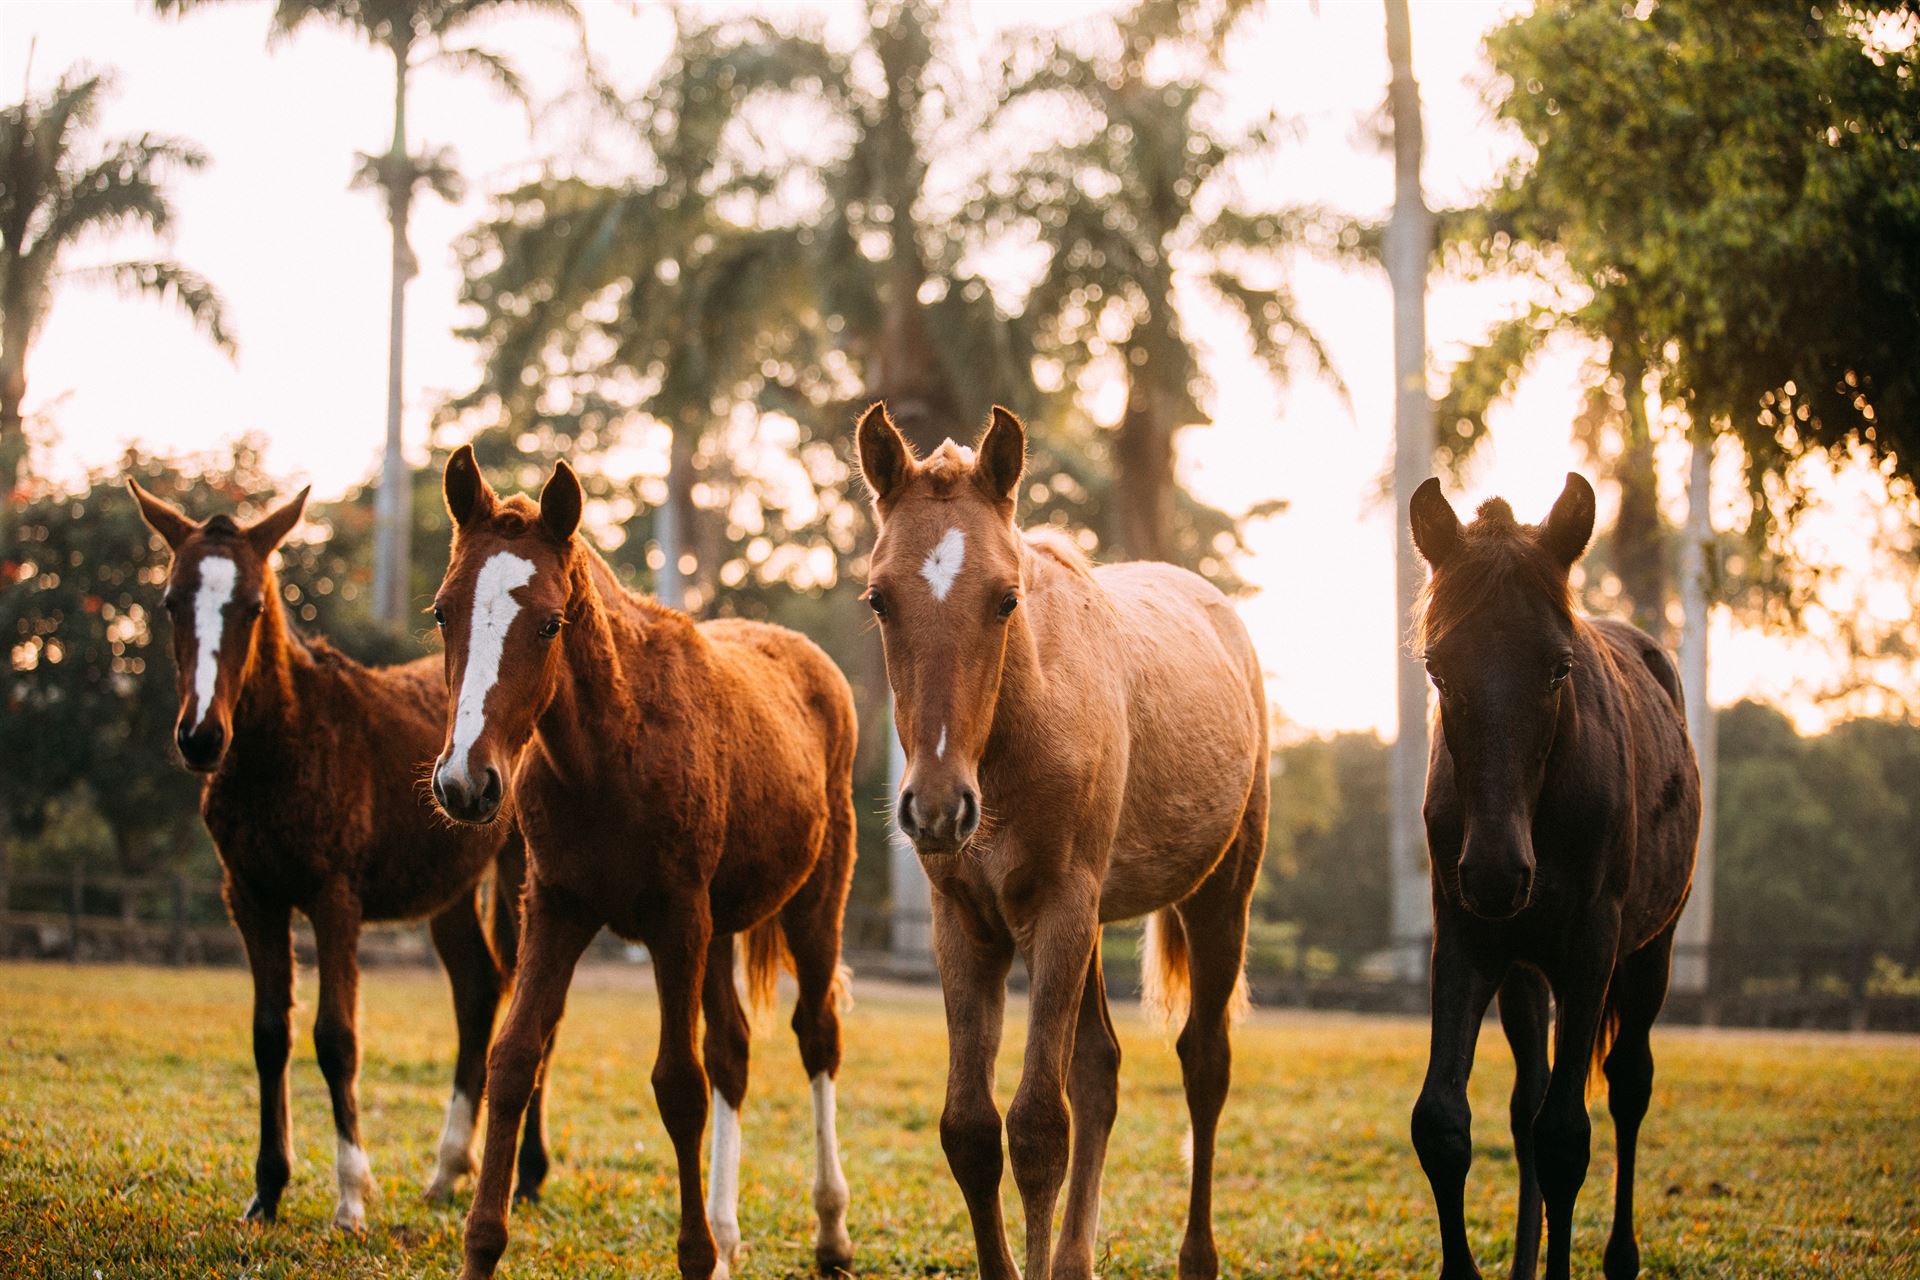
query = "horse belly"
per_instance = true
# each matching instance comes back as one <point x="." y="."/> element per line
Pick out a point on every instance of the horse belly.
<point x="1192" y="763"/>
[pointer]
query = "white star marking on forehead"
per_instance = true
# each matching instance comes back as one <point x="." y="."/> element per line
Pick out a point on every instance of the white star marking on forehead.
<point x="944" y="561"/>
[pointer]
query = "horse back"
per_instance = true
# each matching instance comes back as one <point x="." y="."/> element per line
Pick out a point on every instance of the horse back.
<point x="1663" y="777"/>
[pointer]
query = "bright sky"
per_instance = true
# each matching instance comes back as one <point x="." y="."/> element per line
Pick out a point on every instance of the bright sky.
<point x="303" y="264"/>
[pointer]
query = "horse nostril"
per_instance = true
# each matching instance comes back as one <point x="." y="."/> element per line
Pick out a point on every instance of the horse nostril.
<point x="907" y="824"/>
<point x="182" y="735"/>
<point x="969" y="814"/>
<point x="490" y="793"/>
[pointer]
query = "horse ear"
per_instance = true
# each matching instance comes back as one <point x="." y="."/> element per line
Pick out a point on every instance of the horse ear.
<point x="165" y="519"/>
<point x="1569" y="525"/>
<point x="469" y="496"/>
<point x="1436" y="529"/>
<point x="560" y="502"/>
<point x="885" y="459"/>
<point x="270" y="530"/>
<point x="1003" y="455"/>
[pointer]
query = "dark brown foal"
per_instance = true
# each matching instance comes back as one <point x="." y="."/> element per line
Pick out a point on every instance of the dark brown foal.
<point x="680" y="784"/>
<point x="312" y="797"/>
<point x="1562" y="811"/>
<point x="1083" y="745"/>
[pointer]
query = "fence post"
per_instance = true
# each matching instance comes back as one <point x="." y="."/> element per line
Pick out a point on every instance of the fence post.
<point x="179" y="919"/>
<point x="76" y="903"/>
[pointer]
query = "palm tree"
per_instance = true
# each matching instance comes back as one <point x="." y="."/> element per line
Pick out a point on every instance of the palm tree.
<point x="418" y="34"/>
<point x="57" y="191"/>
<point x="1137" y="209"/>
<point x="1408" y="246"/>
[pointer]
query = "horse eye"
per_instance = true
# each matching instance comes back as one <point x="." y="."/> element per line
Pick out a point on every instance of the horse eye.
<point x="877" y="603"/>
<point x="439" y="617"/>
<point x="255" y="609"/>
<point x="1008" y="603"/>
<point x="550" y="628"/>
<point x="1561" y="671"/>
<point x="1439" y="682"/>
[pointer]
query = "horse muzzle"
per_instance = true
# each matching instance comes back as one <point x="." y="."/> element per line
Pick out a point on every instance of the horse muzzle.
<point x="1496" y="884"/>
<point x="202" y="747"/>
<point x="939" y="819"/>
<point x="466" y="798"/>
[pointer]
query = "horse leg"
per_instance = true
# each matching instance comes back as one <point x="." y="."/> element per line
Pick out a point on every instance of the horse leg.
<point x="678" y="942"/>
<point x="336" y="1042"/>
<point x="1562" y="1132"/>
<point x="555" y="935"/>
<point x="267" y="932"/>
<point x="725" y="1052"/>
<point x="1640" y="988"/>
<point x="1524" y="1017"/>
<point x="1039" y="1126"/>
<point x="973" y="964"/>
<point x="811" y="922"/>
<point x="1214" y="921"/>
<point x="1093" y="1088"/>
<point x="1442" y="1120"/>
<point x="461" y="943"/>
<point x="509" y="883"/>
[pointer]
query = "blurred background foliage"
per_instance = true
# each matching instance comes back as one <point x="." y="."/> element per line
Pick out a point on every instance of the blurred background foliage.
<point x="696" y="326"/>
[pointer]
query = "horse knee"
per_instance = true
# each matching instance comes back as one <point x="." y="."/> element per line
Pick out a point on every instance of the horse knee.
<point x="1443" y="1135"/>
<point x="680" y="1091"/>
<point x="272" y="1041"/>
<point x="1629" y="1086"/>
<point x="971" y="1139"/>
<point x="817" y="1031"/>
<point x="337" y="1047"/>
<point x="513" y="1065"/>
<point x="1038" y="1129"/>
<point x="1562" y="1145"/>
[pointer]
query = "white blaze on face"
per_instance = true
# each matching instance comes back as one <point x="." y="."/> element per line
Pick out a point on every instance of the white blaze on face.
<point x="723" y="1182"/>
<point x="940" y="751"/>
<point x="494" y="610"/>
<point x="943" y="563"/>
<point x="218" y="575"/>
<point x="355" y="1173"/>
<point x="829" y="1183"/>
<point x="456" y="1147"/>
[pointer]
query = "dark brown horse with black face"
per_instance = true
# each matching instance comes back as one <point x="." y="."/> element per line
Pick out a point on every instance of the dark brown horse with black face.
<point x="677" y="783"/>
<point x="1083" y="746"/>
<point x="1562" y="811"/>
<point x="312" y="797"/>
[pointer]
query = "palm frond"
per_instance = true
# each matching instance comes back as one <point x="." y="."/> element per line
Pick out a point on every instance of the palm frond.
<point x="1279" y="333"/>
<point x="1485" y="376"/>
<point x="188" y="290"/>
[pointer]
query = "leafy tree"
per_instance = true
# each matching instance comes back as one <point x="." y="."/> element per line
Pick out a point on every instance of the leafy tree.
<point x="58" y="189"/>
<point x="1328" y="823"/>
<point x="418" y="34"/>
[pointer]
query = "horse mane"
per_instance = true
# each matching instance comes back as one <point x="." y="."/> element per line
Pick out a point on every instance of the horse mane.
<point x="1495" y="551"/>
<point x="1056" y="546"/>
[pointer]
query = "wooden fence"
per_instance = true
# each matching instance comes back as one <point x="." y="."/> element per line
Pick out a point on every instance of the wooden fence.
<point x="182" y="920"/>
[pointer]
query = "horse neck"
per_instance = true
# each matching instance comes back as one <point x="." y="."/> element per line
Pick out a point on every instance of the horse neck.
<point x="617" y="662"/>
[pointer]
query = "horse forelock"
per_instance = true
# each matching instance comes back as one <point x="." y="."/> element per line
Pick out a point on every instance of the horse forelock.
<point x="1496" y="554"/>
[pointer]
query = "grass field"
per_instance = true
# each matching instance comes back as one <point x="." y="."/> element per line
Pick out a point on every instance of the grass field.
<point x="127" y="1122"/>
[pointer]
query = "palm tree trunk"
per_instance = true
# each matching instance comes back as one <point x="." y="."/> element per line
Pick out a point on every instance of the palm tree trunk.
<point x="1409" y="242"/>
<point x="1696" y="924"/>
<point x="1143" y="480"/>
<point x="673" y="527"/>
<point x="392" y="562"/>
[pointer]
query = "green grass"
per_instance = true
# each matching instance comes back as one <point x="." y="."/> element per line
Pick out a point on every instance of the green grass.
<point x="127" y="1120"/>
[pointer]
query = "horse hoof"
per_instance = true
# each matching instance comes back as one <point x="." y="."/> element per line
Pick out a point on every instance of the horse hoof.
<point x="834" y="1260"/>
<point x="439" y="1191"/>
<point x="526" y="1195"/>
<point x="264" y="1214"/>
<point x="351" y="1218"/>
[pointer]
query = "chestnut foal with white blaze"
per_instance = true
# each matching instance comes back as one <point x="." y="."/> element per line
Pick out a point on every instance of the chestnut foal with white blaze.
<point x="1083" y="745"/>
<point x="678" y="784"/>
<point x="312" y="799"/>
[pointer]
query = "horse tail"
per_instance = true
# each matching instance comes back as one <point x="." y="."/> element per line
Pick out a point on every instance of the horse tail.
<point x="767" y="955"/>
<point x="1603" y="1041"/>
<point x="1166" y="984"/>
